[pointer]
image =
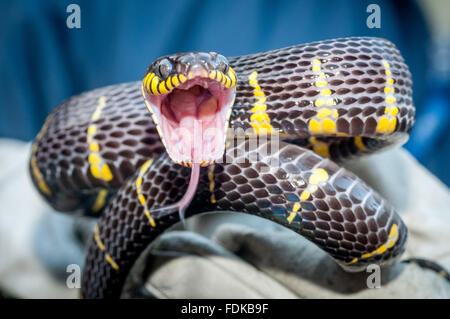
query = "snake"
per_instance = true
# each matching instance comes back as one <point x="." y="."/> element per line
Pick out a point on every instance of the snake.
<point x="264" y="134"/>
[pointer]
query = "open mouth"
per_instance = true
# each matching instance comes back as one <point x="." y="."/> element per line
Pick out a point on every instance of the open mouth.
<point x="192" y="120"/>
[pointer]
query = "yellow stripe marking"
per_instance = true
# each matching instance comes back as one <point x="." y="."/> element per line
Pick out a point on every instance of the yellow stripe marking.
<point x="33" y="161"/>
<point x="111" y="261"/>
<point x="261" y="100"/>
<point x="382" y="249"/>
<point x="388" y="123"/>
<point x="232" y="76"/>
<point x="324" y="122"/>
<point x="318" y="176"/>
<point x="293" y="214"/>
<point x="224" y="79"/>
<point x="319" y="147"/>
<point x="96" y="115"/>
<point x="169" y="83"/>
<point x="393" y="231"/>
<point x="162" y="88"/>
<point x="145" y="166"/>
<point x="329" y="126"/>
<point x="321" y="83"/>
<point x="259" y="119"/>
<point x="259" y="108"/>
<point x="106" y="173"/>
<point x="150" y="218"/>
<point x="182" y="78"/>
<point x="314" y="127"/>
<point x="95" y="171"/>
<point x="147" y="81"/>
<point x="94" y="159"/>
<point x="360" y="144"/>
<point x="211" y="183"/>
<point x="390" y="99"/>
<point x="94" y="147"/>
<point x="219" y="76"/>
<point x="98" y="168"/>
<point x="258" y="93"/>
<point x="228" y="82"/>
<point x="354" y="260"/>
<point x="383" y="125"/>
<point x="390" y="244"/>
<point x="393" y="110"/>
<point x="305" y="195"/>
<point x="139" y="182"/>
<point x="142" y="200"/>
<point x="392" y="239"/>
<point x="175" y="81"/>
<point x="92" y="129"/>
<point x="320" y="102"/>
<point x="97" y="238"/>
<point x="100" y="201"/>
<point x="154" y="85"/>
<point x="323" y="113"/>
<point x="291" y="217"/>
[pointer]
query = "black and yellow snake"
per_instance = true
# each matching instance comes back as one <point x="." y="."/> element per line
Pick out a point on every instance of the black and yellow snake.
<point x="290" y="115"/>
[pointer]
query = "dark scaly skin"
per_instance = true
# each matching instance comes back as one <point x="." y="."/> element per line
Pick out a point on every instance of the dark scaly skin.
<point x="344" y="216"/>
<point x="126" y="135"/>
<point x="344" y="232"/>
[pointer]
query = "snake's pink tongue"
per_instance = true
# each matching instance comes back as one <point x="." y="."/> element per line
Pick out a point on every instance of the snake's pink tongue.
<point x="192" y="132"/>
<point x="185" y="201"/>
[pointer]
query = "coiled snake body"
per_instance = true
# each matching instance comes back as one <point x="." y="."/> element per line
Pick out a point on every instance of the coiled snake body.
<point x="100" y="152"/>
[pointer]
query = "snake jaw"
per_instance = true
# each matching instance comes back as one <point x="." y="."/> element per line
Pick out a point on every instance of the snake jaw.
<point x="191" y="119"/>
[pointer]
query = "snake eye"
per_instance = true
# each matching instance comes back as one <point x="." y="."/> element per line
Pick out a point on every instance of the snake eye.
<point x="165" y="68"/>
<point x="221" y="63"/>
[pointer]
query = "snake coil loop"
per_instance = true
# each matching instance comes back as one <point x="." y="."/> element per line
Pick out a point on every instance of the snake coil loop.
<point x="104" y="152"/>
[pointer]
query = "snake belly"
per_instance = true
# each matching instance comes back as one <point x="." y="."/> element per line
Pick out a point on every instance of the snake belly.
<point x="100" y="153"/>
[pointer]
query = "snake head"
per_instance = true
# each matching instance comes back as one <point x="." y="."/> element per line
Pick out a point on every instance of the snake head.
<point x="190" y="96"/>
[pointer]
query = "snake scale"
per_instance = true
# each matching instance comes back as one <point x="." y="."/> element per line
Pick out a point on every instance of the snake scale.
<point x="103" y="153"/>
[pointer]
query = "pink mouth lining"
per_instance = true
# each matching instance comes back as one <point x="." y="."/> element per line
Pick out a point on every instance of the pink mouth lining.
<point x="193" y="119"/>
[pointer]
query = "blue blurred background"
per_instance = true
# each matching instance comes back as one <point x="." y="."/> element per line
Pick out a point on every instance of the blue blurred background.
<point x="42" y="62"/>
